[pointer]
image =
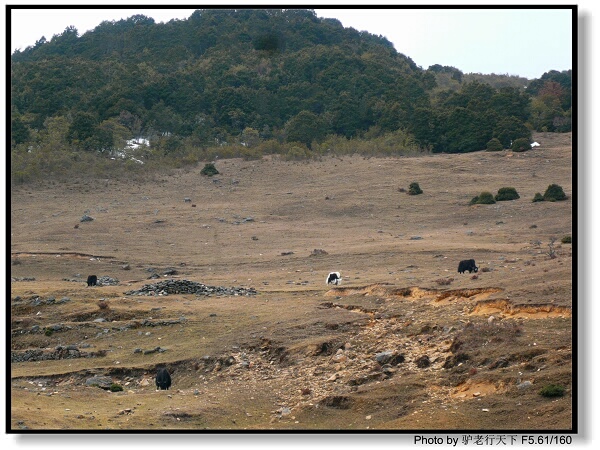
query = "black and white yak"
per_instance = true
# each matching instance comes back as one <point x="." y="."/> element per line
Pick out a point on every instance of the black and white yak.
<point x="467" y="264"/>
<point x="334" y="278"/>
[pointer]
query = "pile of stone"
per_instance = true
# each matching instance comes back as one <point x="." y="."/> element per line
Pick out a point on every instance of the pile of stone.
<point x="59" y="352"/>
<point x="107" y="281"/>
<point x="167" y="287"/>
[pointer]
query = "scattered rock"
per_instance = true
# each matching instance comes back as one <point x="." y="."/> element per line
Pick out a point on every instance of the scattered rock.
<point x="154" y="350"/>
<point x="284" y="411"/>
<point x="388" y="370"/>
<point x="502" y="362"/>
<point x="389" y="357"/>
<point x="524" y="385"/>
<point x="337" y="402"/>
<point x="423" y="362"/>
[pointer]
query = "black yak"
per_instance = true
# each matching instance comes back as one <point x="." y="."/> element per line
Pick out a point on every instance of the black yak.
<point x="163" y="379"/>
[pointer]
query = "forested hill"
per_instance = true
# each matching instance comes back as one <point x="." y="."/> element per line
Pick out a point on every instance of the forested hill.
<point x="254" y="76"/>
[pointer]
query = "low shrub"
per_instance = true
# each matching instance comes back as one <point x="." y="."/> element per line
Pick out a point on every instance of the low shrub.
<point x="414" y="189"/>
<point x="538" y="197"/>
<point x="209" y="170"/>
<point x="485" y="198"/>
<point x="494" y="145"/>
<point x="506" y="193"/>
<point x="554" y="193"/>
<point x="298" y="153"/>
<point x="521" y="145"/>
<point x="552" y="390"/>
<point x="116" y="387"/>
<point x="566" y="240"/>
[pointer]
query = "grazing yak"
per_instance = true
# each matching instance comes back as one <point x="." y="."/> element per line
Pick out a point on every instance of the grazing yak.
<point x="334" y="278"/>
<point x="467" y="264"/>
<point x="92" y="280"/>
<point x="163" y="379"/>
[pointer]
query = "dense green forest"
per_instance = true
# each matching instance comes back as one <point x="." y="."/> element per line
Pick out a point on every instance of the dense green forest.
<point x="251" y="82"/>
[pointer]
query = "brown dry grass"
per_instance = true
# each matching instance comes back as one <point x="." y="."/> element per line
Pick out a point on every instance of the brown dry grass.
<point x="310" y="350"/>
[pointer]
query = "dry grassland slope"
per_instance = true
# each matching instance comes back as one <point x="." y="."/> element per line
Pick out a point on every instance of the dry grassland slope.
<point x="405" y="343"/>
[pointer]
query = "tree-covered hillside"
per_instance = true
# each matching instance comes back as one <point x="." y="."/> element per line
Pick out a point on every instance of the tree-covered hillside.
<point x="265" y="79"/>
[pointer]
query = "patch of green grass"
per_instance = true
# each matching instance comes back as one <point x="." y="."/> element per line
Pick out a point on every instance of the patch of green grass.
<point x="116" y="387"/>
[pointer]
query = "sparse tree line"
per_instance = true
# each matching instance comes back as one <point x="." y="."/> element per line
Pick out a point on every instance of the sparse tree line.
<point x="246" y="83"/>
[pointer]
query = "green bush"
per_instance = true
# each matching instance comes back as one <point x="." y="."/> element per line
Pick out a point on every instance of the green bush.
<point x="520" y="145"/>
<point x="116" y="387"/>
<point x="552" y="390"/>
<point x="494" y="145"/>
<point x="414" y="189"/>
<point x="209" y="170"/>
<point x="485" y="198"/>
<point x="554" y="193"/>
<point x="297" y="152"/>
<point x="507" y="193"/>
<point x="48" y="331"/>
<point x="538" y="197"/>
<point x="566" y="240"/>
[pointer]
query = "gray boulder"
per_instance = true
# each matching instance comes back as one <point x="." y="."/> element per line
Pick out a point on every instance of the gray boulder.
<point x="100" y="381"/>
